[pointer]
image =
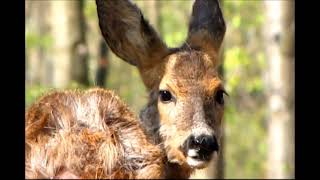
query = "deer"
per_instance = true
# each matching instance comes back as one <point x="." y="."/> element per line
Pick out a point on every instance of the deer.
<point x="88" y="134"/>
<point x="177" y="132"/>
<point x="186" y="95"/>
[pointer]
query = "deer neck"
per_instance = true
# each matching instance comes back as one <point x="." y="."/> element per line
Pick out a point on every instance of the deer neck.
<point x="176" y="171"/>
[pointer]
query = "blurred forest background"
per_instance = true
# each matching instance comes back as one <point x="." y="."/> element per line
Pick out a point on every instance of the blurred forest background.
<point x="65" y="49"/>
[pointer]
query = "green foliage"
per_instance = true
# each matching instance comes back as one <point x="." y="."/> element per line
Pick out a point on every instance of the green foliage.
<point x="174" y="22"/>
<point x="244" y="64"/>
<point x="34" y="40"/>
<point x="75" y="85"/>
<point x="246" y="143"/>
<point x="238" y="64"/>
<point x="34" y="92"/>
<point x="90" y="10"/>
<point x="250" y="13"/>
<point x="125" y="80"/>
<point x="236" y="21"/>
<point x="236" y="59"/>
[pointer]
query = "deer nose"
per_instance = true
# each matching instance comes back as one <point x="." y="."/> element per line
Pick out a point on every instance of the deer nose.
<point x="205" y="142"/>
<point x="202" y="146"/>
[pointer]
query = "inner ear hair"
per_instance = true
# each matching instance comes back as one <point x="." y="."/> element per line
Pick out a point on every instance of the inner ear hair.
<point x="207" y="27"/>
<point x="128" y="34"/>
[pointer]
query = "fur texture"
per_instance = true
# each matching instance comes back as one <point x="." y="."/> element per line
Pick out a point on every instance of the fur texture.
<point x="189" y="73"/>
<point x="90" y="134"/>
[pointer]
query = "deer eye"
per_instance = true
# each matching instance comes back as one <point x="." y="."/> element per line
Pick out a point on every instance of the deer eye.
<point x="219" y="97"/>
<point x="165" y="96"/>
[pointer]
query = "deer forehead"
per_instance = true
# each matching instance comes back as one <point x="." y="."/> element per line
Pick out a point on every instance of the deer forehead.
<point x="190" y="73"/>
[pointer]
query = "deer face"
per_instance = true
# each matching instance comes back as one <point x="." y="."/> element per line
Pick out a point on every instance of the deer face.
<point x="189" y="91"/>
<point x="190" y="105"/>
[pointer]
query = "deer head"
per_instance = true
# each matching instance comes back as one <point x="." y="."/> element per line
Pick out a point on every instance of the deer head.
<point x="184" y="83"/>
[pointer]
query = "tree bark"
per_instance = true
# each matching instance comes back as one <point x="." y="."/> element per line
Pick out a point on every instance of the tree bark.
<point x="32" y="58"/>
<point x="288" y="55"/>
<point x="280" y="56"/>
<point x="37" y="25"/>
<point x="153" y="11"/>
<point x="103" y="64"/>
<point x="80" y="49"/>
<point x="70" y="50"/>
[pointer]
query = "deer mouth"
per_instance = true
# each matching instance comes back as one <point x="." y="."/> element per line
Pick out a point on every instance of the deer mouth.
<point x="200" y="150"/>
<point x="198" y="158"/>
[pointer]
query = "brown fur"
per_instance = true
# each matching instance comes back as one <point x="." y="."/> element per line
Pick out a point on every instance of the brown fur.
<point x="193" y="80"/>
<point x="188" y="72"/>
<point x="90" y="134"/>
<point x="132" y="38"/>
<point x="93" y="135"/>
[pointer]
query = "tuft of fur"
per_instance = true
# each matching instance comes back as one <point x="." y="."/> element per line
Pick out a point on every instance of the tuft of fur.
<point x="88" y="134"/>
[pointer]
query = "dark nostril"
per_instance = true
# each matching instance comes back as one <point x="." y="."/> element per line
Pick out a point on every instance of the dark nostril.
<point x="192" y="142"/>
<point x="207" y="143"/>
<point x="203" y="144"/>
<point x="213" y="144"/>
<point x="198" y="141"/>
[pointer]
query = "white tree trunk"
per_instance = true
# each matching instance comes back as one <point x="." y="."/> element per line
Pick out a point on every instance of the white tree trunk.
<point x="62" y="43"/>
<point x="280" y="129"/>
<point x="69" y="45"/>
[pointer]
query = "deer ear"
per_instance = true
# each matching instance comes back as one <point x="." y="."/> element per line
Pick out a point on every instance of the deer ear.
<point x="207" y="26"/>
<point x="128" y="34"/>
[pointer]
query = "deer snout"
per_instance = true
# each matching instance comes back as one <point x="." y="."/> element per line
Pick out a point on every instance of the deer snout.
<point x="205" y="145"/>
<point x="199" y="149"/>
